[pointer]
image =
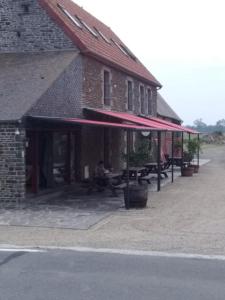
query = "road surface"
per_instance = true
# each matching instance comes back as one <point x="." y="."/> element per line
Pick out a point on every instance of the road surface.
<point x="62" y="275"/>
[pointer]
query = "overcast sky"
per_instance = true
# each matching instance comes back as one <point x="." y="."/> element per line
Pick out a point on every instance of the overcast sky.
<point x="182" y="42"/>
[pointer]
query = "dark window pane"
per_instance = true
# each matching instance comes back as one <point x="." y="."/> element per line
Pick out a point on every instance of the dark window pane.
<point x="130" y="95"/>
<point x="106" y="88"/>
<point x="149" y="102"/>
<point x="142" y="99"/>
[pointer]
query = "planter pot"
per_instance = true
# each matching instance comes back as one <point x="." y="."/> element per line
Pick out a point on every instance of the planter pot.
<point x="196" y="168"/>
<point x="187" y="171"/>
<point x="138" y="196"/>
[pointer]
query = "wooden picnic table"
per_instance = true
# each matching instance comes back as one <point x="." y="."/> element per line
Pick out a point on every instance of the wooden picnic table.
<point x="134" y="172"/>
<point x="153" y="168"/>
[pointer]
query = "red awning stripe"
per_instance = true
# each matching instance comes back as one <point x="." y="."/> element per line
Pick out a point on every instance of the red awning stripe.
<point x="135" y="119"/>
<point x="107" y="124"/>
<point x="182" y="128"/>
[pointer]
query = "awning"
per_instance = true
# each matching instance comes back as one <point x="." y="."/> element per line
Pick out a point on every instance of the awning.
<point x="92" y="123"/>
<point x="182" y="128"/>
<point x="108" y="124"/>
<point x="135" y="119"/>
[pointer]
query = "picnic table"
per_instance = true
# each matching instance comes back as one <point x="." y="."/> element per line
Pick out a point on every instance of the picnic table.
<point x="134" y="173"/>
<point x="153" y="168"/>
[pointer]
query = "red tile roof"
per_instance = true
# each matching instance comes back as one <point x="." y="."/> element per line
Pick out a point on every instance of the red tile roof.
<point x="96" y="47"/>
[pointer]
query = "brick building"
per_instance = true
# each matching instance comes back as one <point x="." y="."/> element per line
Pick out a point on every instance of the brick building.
<point x="59" y="63"/>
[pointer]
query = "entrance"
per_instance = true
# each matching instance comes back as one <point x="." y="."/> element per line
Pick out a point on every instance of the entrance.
<point x="52" y="159"/>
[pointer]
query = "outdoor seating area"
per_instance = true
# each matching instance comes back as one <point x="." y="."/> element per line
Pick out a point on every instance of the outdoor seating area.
<point x="113" y="182"/>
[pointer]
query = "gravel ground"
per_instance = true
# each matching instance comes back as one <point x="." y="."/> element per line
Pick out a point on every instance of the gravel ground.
<point x="187" y="216"/>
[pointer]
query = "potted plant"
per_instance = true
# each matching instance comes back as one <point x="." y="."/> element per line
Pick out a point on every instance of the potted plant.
<point x="192" y="147"/>
<point x="187" y="170"/>
<point x="138" y="194"/>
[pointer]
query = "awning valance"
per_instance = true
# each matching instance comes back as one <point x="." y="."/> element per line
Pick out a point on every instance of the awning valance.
<point x="86" y="122"/>
<point x="125" y="117"/>
<point x="182" y="128"/>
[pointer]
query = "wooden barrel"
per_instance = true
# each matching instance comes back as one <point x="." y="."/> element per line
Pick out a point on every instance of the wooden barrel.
<point x="138" y="196"/>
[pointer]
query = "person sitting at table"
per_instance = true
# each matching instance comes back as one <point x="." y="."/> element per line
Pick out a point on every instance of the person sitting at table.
<point x="100" y="174"/>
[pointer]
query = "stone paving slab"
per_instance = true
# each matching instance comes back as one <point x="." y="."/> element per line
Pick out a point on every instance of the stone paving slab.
<point x="67" y="219"/>
<point x="66" y="212"/>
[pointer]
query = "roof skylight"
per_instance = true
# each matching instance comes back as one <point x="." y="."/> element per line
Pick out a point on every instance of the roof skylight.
<point x="125" y="50"/>
<point x="103" y="36"/>
<point x="128" y="52"/>
<point x="74" y="19"/>
<point x="119" y="46"/>
<point x="92" y="31"/>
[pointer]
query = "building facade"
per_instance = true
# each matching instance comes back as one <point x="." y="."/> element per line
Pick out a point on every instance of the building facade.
<point x="58" y="62"/>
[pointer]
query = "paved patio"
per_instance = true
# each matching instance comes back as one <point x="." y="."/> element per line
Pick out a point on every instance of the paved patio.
<point x="72" y="210"/>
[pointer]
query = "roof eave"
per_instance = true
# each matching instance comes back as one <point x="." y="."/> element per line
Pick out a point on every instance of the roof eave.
<point x="163" y="116"/>
<point x="121" y="68"/>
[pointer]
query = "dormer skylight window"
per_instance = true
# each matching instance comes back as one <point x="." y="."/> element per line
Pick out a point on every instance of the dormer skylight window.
<point x="74" y="19"/>
<point x="92" y="31"/>
<point x="119" y="46"/>
<point x="124" y="49"/>
<point x="102" y="36"/>
<point x="128" y="52"/>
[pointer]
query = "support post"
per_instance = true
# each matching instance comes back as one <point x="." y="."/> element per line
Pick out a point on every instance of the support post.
<point x="198" y="153"/>
<point x="158" y="161"/>
<point x="127" y="202"/>
<point x="182" y="149"/>
<point x="172" y="156"/>
<point x="68" y="158"/>
<point x="35" y="162"/>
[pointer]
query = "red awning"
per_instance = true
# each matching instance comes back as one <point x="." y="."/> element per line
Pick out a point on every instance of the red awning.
<point x="182" y="128"/>
<point x="93" y="123"/>
<point x="108" y="124"/>
<point x="135" y="119"/>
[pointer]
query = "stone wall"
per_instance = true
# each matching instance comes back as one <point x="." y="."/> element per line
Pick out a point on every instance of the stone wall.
<point x="32" y="30"/>
<point x="63" y="98"/>
<point x="12" y="163"/>
<point x="93" y="88"/>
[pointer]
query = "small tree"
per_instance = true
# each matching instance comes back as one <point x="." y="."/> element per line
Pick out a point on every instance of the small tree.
<point x="141" y="155"/>
<point x="191" y="148"/>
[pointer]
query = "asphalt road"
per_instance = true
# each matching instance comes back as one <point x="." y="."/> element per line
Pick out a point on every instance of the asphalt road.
<point x="62" y="275"/>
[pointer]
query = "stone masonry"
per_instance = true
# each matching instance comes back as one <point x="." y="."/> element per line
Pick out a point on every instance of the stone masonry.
<point x="63" y="97"/>
<point x="12" y="162"/>
<point x="93" y="88"/>
<point x="25" y="26"/>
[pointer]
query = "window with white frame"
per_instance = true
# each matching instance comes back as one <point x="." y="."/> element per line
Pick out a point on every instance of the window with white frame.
<point x="129" y="95"/>
<point x="106" y="88"/>
<point x="142" y="99"/>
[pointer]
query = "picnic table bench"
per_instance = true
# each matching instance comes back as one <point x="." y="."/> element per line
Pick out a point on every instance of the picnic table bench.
<point x="153" y="168"/>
